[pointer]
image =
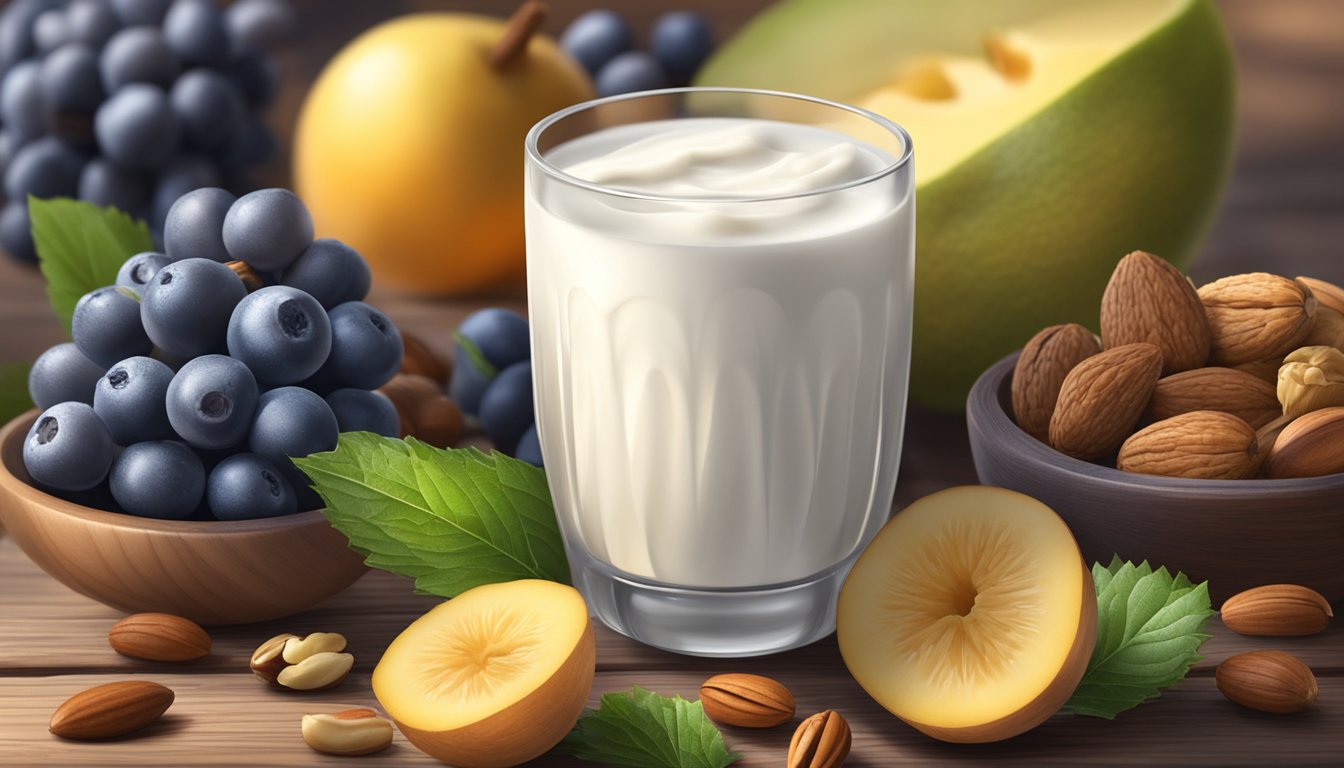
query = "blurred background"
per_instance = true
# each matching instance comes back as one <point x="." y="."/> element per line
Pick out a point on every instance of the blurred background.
<point x="1283" y="209"/>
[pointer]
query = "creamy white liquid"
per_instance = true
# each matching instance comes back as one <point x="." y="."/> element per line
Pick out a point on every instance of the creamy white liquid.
<point x="720" y="384"/>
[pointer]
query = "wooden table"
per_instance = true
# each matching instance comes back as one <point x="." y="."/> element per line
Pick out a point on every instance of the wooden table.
<point x="1282" y="213"/>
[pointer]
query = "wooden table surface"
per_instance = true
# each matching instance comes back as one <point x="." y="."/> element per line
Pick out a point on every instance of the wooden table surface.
<point x="1284" y="212"/>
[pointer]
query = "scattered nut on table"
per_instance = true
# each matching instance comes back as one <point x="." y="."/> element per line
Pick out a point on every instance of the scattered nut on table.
<point x="350" y="732"/>
<point x="311" y="663"/>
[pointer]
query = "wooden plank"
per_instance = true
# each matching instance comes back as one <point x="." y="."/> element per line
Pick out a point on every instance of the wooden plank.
<point x="380" y="605"/>
<point x="231" y="719"/>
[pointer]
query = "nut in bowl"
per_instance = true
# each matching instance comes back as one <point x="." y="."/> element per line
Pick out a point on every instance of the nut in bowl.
<point x="1207" y="474"/>
<point x="213" y="572"/>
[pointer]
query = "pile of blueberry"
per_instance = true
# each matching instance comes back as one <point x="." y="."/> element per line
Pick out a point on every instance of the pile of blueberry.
<point x="131" y="103"/>
<point x="492" y="380"/>
<point x="603" y="43"/>
<point x="185" y="395"/>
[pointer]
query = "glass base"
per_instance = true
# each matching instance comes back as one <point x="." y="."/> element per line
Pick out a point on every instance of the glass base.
<point x="722" y="623"/>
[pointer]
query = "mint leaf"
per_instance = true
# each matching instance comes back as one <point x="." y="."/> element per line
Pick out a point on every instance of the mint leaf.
<point x="14" y="397"/>
<point x="640" y="729"/>
<point x="1148" y="635"/>
<point x="450" y="519"/>
<point x="475" y="355"/>
<point x="80" y="247"/>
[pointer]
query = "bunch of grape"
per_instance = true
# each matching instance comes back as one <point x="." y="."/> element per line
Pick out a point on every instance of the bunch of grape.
<point x="492" y="380"/>
<point x="193" y="381"/>
<point x="603" y="43"/>
<point x="131" y="103"/>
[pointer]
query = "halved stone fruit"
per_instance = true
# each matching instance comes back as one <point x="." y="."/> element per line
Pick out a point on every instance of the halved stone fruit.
<point x="494" y="677"/>
<point x="1051" y="137"/>
<point x="971" y="616"/>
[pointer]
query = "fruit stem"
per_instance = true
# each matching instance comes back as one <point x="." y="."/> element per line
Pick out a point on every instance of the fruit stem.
<point x="250" y="279"/>
<point x="522" y="25"/>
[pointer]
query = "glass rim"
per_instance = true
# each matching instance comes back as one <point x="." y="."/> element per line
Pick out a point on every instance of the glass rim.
<point x="535" y="157"/>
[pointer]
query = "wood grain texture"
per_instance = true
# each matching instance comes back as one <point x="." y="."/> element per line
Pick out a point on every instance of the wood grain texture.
<point x="1236" y="534"/>
<point x="210" y="572"/>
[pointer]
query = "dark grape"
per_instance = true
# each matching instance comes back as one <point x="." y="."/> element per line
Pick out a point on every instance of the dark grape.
<point x="137" y="127"/>
<point x="105" y="183"/>
<point x="210" y="109"/>
<point x="138" y="55"/>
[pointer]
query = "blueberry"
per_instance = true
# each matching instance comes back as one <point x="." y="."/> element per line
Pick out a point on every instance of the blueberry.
<point x="293" y="422"/>
<point x="130" y="399"/>
<point x="137" y="271"/>
<point x="195" y="30"/>
<point x="15" y="235"/>
<point x="210" y="108"/>
<point x="365" y="347"/>
<point x="359" y="410"/>
<point x="103" y="182"/>
<point x="91" y="22"/>
<point x="186" y="307"/>
<point x="681" y="41"/>
<point x="16" y="30"/>
<point x="194" y="225"/>
<point x="50" y="31"/>
<point x="501" y="336"/>
<point x="162" y="479"/>
<point x="259" y="24"/>
<point x="211" y="401"/>
<point x="256" y="76"/>
<point x="331" y="271"/>
<point x="281" y="333"/>
<point x="183" y="174"/>
<point x="529" y="448"/>
<point x="22" y="105"/>
<point x="44" y="168"/>
<point x="246" y="486"/>
<point x="70" y="80"/>
<point x="138" y="55"/>
<point x="106" y="326"/>
<point x="68" y="448"/>
<point x="631" y="71"/>
<point x="140" y="12"/>
<point x="596" y="38"/>
<point x="268" y="229"/>
<point x="137" y="127"/>
<point x="506" y="407"/>
<point x="63" y="374"/>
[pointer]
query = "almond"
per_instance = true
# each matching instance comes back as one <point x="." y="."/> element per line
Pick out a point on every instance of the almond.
<point x="1102" y="399"/>
<point x="746" y="701"/>
<point x="1327" y="330"/>
<point x="112" y="709"/>
<point x="1256" y="316"/>
<point x="1328" y="294"/>
<point x="1149" y="300"/>
<point x="159" y="637"/>
<point x="821" y="741"/>
<point x="1262" y="369"/>
<point x="418" y="358"/>
<point x="1209" y="445"/>
<point x="1040" y="372"/>
<point x="1311" y="446"/>
<point x="1270" y="681"/>
<point x="1277" y="610"/>
<point x="438" y="422"/>
<point x="1239" y="393"/>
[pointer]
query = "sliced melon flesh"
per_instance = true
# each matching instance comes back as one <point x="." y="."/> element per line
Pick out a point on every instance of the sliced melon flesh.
<point x="494" y="677"/>
<point x="971" y="615"/>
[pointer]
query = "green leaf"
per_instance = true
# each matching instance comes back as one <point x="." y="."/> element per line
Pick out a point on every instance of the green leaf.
<point x="81" y="246"/>
<point x="1149" y="630"/>
<point x="14" y="397"/>
<point x="640" y="729"/>
<point x="475" y="355"/>
<point x="450" y="519"/>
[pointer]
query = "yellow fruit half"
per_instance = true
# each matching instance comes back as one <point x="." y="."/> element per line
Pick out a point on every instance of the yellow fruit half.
<point x="971" y="616"/>
<point x="494" y="677"/>
<point x="1051" y="137"/>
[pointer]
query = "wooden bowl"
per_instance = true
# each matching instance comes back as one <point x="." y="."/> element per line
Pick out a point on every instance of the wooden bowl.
<point x="213" y="572"/>
<point x="1236" y="534"/>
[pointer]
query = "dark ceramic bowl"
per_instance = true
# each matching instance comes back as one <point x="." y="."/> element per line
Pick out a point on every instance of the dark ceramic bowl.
<point x="1234" y="533"/>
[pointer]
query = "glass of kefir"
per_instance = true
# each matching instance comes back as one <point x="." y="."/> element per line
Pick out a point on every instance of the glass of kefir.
<point x="720" y="285"/>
